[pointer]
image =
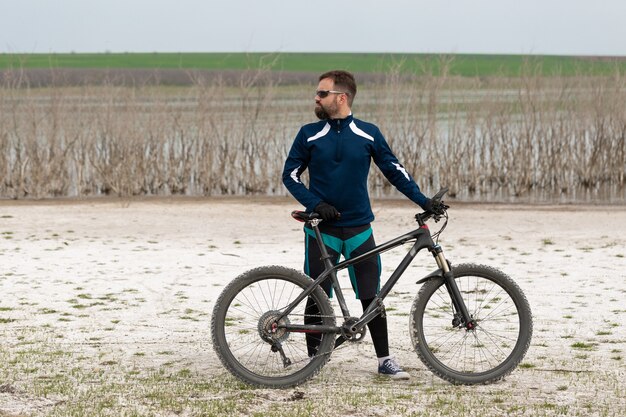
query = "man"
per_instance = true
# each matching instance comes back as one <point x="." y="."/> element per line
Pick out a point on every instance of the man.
<point x="337" y="151"/>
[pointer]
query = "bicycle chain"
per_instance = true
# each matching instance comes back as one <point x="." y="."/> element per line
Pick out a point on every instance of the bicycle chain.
<point x="343" y="345"/>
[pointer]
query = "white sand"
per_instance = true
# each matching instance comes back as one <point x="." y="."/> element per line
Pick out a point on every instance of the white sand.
<point x="141" y="276"/>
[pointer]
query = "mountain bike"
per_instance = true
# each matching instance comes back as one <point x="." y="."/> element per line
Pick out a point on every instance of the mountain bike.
<point x="469" y="323"/>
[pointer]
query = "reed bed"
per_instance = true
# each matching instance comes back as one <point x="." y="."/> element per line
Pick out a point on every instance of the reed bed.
<point x="487" y="139"/>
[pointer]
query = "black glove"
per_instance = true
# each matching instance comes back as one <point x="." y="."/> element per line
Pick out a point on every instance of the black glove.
<point x="327" y="212"/>
<point x="436" y="207"/>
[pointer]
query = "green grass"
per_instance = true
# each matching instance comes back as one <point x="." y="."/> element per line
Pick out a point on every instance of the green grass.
<point x="584" y="346"/>
<point x="107" y="382"/>
<point x="463" y="65"/>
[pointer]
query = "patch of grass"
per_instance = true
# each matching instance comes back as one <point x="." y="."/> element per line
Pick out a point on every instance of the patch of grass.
<point x="584" y="346"/>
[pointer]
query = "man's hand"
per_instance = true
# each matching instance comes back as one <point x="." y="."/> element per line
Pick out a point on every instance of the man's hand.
<point x="436" y="207"/>
<point x="327" y="212"/>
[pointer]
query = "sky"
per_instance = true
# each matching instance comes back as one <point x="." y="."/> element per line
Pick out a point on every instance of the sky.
<point x="545" y="27"/>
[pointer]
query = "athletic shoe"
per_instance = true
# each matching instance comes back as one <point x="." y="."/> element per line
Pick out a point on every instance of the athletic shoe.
<point x="391" y="369"/>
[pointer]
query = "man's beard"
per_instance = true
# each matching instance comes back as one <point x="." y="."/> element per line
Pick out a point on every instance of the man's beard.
<point x="326" y="113"/>
<point x="321" y="113"/>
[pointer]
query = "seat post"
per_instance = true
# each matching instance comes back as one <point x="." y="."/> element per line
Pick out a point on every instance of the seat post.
<point x="320" y="242"/>
<point x="332" y="273"/>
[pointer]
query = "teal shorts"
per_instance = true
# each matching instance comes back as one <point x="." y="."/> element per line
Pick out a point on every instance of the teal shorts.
<point x="349" y="242"/>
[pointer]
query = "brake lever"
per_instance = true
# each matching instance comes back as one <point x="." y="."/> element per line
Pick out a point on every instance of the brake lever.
<point x="444" y="208"/>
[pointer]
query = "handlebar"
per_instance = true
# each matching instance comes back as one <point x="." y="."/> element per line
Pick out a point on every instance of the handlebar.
<point x="422" y="218"/>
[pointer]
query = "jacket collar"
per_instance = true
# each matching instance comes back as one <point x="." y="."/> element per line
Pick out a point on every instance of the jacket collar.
<point x="340" y="123"/>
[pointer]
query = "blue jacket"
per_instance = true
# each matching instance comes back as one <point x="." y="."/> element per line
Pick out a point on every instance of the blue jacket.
<point x="338" y="154"/>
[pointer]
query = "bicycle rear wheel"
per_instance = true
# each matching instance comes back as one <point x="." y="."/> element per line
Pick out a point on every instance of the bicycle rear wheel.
<point x="242" y="332"/>
<point x="482" y="355"/>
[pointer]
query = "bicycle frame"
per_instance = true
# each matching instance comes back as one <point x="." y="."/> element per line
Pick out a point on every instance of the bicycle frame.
<point x="423" y="240"/>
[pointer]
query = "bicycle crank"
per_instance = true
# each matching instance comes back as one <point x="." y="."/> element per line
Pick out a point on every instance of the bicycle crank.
<point x="350" y="332"/>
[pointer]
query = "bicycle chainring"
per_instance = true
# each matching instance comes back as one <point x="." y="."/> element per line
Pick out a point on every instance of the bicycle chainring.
<point x="350" y="334"/>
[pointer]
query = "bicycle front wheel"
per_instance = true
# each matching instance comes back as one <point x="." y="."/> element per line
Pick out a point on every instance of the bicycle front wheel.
<point x="491" y="350"/>
<point x="247" y="334"/>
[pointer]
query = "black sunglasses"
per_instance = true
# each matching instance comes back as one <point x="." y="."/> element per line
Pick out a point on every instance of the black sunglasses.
<point x="325" y="93"/>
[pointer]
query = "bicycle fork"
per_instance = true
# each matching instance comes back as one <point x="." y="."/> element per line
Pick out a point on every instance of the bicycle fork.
<point x="462" y="317"/>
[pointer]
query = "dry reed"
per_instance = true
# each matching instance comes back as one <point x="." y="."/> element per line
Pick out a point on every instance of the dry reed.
<point x="485" y="138"/>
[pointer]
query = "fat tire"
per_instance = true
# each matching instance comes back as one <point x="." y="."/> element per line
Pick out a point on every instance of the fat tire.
<point x="499" y="371"/>
<point x="220" y="343"/>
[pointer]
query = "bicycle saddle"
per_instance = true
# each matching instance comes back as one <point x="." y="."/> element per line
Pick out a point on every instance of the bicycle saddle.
<point x="303" y="216"/>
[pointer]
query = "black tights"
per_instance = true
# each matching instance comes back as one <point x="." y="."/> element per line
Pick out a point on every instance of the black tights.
<point x="377" y="328"/>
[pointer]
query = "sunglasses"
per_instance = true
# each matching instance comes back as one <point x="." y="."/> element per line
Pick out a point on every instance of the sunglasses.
<point x="325" y="93"/>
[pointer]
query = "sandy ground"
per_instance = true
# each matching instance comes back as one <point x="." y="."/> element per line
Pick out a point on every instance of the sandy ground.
<point x="98" y="288"/>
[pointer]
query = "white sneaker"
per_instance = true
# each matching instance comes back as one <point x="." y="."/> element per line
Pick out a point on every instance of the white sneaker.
<point x="391" y="369"/>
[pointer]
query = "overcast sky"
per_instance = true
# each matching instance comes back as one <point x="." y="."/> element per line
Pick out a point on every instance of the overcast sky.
<point x="559" y="27"/>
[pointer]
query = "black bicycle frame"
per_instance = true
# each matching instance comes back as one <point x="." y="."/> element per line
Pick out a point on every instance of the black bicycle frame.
<point x="422" y="239"/>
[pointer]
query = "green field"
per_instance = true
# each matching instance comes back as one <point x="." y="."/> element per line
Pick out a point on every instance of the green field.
<point x="461" y="65"/>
